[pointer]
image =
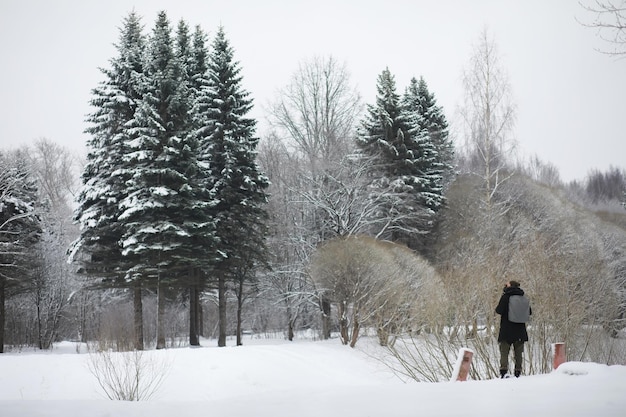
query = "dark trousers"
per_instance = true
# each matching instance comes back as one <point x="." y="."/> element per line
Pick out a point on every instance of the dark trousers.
<point x="505" y="348"/>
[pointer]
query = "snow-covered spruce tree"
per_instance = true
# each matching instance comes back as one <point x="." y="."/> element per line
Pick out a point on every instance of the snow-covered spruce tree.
<point x="427" y="161"/>
<point x="198" y="62"/>
<point x="393" y="138"/>
<point x="20" y="227"/>
<point x="167" y="225"/>
<point x="228" y="151"/>
<point x="193" y="55"/>
<point x="107" y="170"/>
<point x="417" y="97"/>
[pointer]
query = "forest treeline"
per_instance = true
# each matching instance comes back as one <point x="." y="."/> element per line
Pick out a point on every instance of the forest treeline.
<point x="342" y="219"/>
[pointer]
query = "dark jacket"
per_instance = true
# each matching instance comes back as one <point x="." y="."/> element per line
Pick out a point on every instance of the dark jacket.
<point x="510" y="332"/>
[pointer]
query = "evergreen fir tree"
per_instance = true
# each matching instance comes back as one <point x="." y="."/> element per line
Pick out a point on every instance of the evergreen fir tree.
<point x="199" y="62"/>
<point x="428" y="162"/>
<point x="107" y="171"/>
<point x="434" y="121"/>
<point x="228" y="151"/>
<point x="167" y="228"/>
<point x="194" y="54"/>
<point x="144" y="210"/>
<point x="166" y="223"/>
<point x="393" y="137"/>
<point x="115" y="101"/>
<point x="157" y="159"/>
<point x="383" y="130"/>
<point x="183" y="45"/>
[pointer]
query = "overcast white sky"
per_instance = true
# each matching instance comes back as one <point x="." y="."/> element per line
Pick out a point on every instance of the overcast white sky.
<point x="570" y="98"/>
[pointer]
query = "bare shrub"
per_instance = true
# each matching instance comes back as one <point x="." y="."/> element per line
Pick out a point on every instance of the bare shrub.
<point x="411" y="293"/>
<point x="346" y="271"/>
<point x="373" y="284"/>
<point x="569" y="262"/>
<point x="128" y="376"/>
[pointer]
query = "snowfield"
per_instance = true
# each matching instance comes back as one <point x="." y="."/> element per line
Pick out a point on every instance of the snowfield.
<point x="269" y="378"/>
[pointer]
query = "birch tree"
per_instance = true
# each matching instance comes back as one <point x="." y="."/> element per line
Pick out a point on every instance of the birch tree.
<point x="488" y="115"/>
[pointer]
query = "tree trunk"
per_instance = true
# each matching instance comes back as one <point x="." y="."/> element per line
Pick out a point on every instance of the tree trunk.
<point x="193" y="316"/>
<point x="383" y="335"/>
<point x="39" y="325"/>
<point x="82" y="320"/>
<point x="138" y="316"/>
<point x="356" y="326"/>
<point x="221" y="302"/>
<point x="2" y="313"/>
<point x="239" y="311"/>
<point x="325" y="319"/>
<point x="200" y="315"/>
<point x="160" y="316"/>
<point x="290" y="323"/>
<point x="290" y="330"/>
<point x="343" y="322"/>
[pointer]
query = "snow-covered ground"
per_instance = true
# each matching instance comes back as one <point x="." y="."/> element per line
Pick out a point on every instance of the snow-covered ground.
<point x="269" y="378"/>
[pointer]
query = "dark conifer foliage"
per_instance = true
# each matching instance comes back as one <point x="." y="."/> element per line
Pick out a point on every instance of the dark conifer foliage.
<point x="171" y="171"/>
<point x="418" y="98"/>
<point x="104" y="177"/>
<point x="198" y="62"/>
<point x="228" y="148"/>
<point x="384" y="128"/>
<point x="240" y="186"/>
<point x="408" y="179"/>
<point x="427" y="127"/>
<point x="160" y="206"/>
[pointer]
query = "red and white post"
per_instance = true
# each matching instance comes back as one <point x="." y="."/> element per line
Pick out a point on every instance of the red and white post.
<point x="558" y="354"/>
<point x="463" y="365"/>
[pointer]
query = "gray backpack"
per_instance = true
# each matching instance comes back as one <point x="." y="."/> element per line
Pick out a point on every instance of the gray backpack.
<point x="519" y="309"/>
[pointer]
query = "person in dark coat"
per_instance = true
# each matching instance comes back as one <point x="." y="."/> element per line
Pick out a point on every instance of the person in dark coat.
<point x="511" y="334"/>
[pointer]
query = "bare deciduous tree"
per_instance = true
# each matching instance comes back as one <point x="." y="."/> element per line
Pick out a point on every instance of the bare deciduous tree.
<point x="56" y="172"/>
<point x="610" y="23"/>
<point x="488" y="114"/>
<point x="339" y="196"/>
<point x="543" y="172"/>
<point x="313" y="118"/>
<point x="606" y="186"/>
<point x="20" y="227"/>
<point x="286" y="286"/>
<point x="316" y="111"/>
<point x="43" y="302"/>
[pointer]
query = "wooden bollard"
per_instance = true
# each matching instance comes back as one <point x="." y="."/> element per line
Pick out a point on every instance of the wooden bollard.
<point x="558" y="354"/>
<point x="463" y="364"/>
